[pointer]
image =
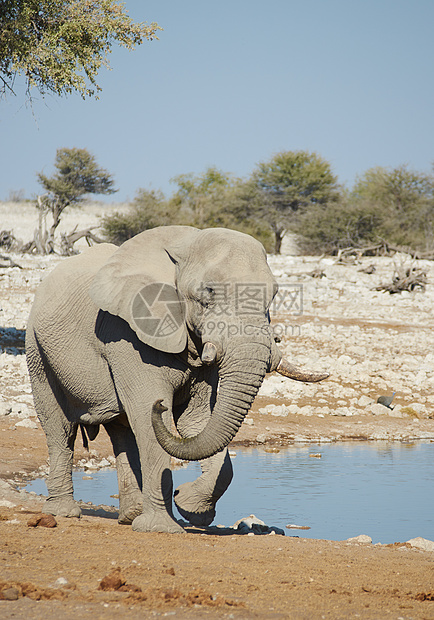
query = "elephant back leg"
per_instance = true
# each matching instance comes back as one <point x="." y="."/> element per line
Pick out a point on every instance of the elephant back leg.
<point x="128" y="469"/>
<point x="50" y="404"/>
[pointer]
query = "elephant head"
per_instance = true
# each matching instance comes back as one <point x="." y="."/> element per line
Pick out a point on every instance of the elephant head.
<point x="208" y="290"/>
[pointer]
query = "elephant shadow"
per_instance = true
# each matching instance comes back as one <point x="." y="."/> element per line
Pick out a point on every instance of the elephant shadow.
<point x="109" y="512"/>
<point x="105" y="512"/>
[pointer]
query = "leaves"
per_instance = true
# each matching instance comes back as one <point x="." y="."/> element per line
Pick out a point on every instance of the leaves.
<point x="60" y="45"/>
<point x="396" y="205"/>
<point x="77" y="174"/>
<point x="292" y="181"/>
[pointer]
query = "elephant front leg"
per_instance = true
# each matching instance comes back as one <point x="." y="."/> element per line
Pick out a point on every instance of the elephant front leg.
<point x="196" y="500"/>
<point x="157" y="486"/>
<point x="128" y="469"/>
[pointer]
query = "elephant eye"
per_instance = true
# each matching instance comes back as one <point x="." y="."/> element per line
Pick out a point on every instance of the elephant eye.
<point x="209" y="294"/>
<point x="206" y="295"/>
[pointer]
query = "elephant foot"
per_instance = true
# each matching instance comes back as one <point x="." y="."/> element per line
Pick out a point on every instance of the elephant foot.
<point x="199" y="519"/>
<point x="156" y="522"/>
<point x="128" y="511"/>
<point x="197" y="510"/>
<point x="64" y="506"/>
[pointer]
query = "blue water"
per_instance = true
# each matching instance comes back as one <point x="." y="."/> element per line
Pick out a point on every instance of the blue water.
<point x="383" y="490"/>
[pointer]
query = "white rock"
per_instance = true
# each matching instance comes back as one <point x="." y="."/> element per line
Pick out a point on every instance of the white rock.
<point x="380" y="435"/>
<point x="27" y="423"/>
<point x="362" y="538"/>
<point x="306" y="410"/>
<point x="280" y="410"/>
<point x="342" y="411"/>
<point x="59" y="583"/>
<point x="420" y="409"/>
<point x="346" y="360"/>
<point x="364" y="401"/>
<point x="249" y="521"/>
<point x="6" y="503"/>
<point x="267" y="389"/>
<point x="421" y="543"/>
<point x="21" y="410"/>
<point x="5" y="409"/>
<point x="378" y="409"/>
<point x="293" y="409"/>
<point x="252" y="525"/>
<point x="277" y="410"/>
<point x="396" y="412"/>
<point x="5" y="487"/>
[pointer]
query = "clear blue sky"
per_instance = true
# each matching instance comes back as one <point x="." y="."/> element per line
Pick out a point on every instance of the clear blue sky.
<point x="230" y="83"/>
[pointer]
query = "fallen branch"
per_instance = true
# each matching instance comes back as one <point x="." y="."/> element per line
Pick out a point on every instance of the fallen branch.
<point x="378" y="249"/>
<point x="7" y="239"/>
<point x="370" y="269"/>
<point x="67" y="241"/>
<point x="403" y="249"/>
<point x="407" y="280"/>
<point x="383" y="248"/>
<point x="12" y="263"/>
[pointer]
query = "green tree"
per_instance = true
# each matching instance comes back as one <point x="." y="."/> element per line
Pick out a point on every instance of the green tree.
<point x="212" y="198"/>
<point x="340" y="224"/>
<point x="404" y="199"/>
<point x="60" y="45"/>
<point x="77" y="175"/>
<point x="199" y="199"/>
<point x="218" y="199"/>
<point x="289" y="183"/>
<point x="149" y="209"/>
<point x="394" y="204"/>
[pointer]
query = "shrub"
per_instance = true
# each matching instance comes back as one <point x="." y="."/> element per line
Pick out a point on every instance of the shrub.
<point x="148" y="210"/>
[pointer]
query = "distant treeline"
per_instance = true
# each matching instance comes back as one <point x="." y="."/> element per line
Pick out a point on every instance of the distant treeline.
<point x="295" y="192"/>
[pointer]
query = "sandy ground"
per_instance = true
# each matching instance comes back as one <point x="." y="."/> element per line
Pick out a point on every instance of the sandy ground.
<point x="373" y="344"/>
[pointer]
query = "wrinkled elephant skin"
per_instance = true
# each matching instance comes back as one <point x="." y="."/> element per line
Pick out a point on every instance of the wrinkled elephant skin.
<point x="139" y="336"/>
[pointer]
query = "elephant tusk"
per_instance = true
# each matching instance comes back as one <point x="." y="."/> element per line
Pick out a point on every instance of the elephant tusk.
<point x="293" y="372"/>
<point x="209" y="353"/>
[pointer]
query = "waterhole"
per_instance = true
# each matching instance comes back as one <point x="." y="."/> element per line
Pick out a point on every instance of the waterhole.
<point x="338" y="490"/>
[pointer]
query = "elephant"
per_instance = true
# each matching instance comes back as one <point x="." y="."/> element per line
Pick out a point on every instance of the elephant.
<point x="170" y="328"/>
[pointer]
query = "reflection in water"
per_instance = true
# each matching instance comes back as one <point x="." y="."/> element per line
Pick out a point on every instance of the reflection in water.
<point x="383" y="490"/>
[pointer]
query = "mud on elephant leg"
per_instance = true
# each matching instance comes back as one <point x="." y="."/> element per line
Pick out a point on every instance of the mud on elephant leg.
<point x="196" y="500"/>
<point x="128" y="470"/>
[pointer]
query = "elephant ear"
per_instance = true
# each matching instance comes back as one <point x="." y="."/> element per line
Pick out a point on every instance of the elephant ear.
<point x="138" y="284"/>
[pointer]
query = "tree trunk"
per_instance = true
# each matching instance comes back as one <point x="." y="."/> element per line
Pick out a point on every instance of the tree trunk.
<point x="278" y="238"/>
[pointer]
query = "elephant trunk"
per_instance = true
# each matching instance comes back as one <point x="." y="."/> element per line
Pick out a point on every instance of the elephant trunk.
<point x="241" y="373"/>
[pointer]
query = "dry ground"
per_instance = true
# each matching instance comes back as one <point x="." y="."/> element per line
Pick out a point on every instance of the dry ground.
<point x="58" y="572"/>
